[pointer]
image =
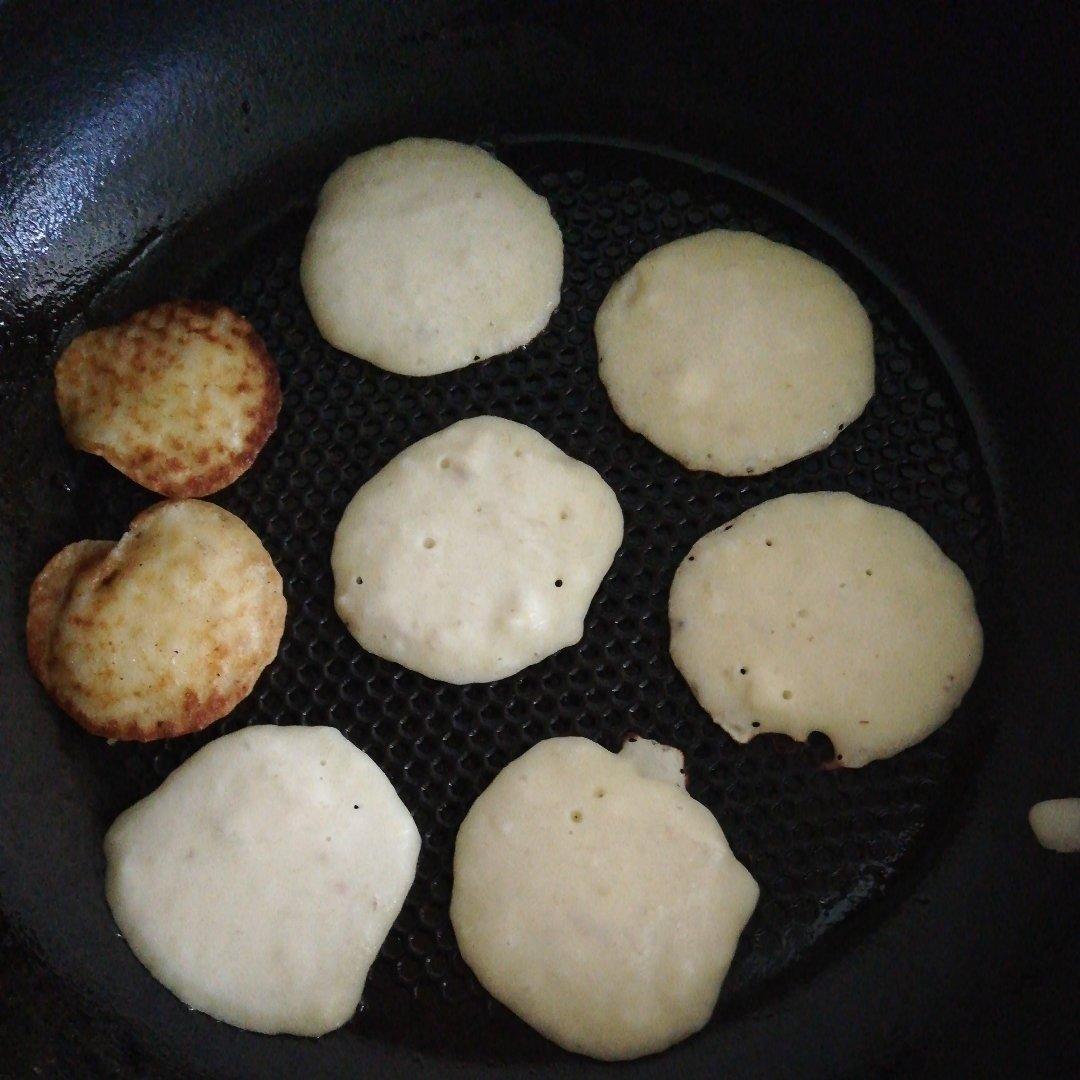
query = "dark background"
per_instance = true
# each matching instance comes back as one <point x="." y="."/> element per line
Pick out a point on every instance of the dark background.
<point x="937" y="136"/>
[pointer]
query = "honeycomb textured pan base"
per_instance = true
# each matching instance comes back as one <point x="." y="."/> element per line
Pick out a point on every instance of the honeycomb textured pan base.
<point x="820" y="844"/>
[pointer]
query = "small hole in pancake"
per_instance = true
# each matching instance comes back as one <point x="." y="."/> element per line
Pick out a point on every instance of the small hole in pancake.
<point x="839" y="427"/>
<point x="728" y="526"/>
<point x="786" y="695"/>
<point x="359" y="580"/>
<point x="429" y="543"/>
<point x="749" y="470"/>
<point x="356" y="806"/>
<point x="576" y="817"/>
<point x="742" y="671"/>
<point x="869" y="573"/>
<point x="558" y="583"/>
<point x="690" y="558"/>
<point x="768" y="543"/>
<point x="599" y="793"/>
<point x="755" y="723"/>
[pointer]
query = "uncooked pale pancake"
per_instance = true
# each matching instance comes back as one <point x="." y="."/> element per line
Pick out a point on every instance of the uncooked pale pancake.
<point x="259" y="882"/>
<point x="733" y="353"/>
<point x="823" y="612"/>
<point x="654" y="760"/>
<point x="427" y="255"/>
<point x="161" y="633"/>
<point x="475" y="552"/>
<point x="180" y="397"/>
<point x="1056" y="824"/>
<point x="601" y="905"/>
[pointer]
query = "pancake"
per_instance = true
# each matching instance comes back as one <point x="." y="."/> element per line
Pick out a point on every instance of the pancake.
<point x="428" y="255"/>
<point x="598" y="902"/>
<point x="734" y="354"/>
<point x="475" y="552"/>
<point x="162" y="633"/>
<point x="180" y="397"/>
<point x="654" y="760"/>
<point x="1056" y="824"/>
<point x="823" y="612"/>
<point x="259" y="882"/>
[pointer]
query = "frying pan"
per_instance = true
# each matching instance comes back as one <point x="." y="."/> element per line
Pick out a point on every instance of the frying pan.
<point x="909" y="923"/>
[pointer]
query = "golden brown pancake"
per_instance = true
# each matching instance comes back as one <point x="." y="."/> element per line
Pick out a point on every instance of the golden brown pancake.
<point x="162" y="633"/>
<point x="180" y="397"/>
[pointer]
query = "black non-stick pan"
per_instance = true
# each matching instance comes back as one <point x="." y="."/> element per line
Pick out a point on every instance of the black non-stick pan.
<point x="909" y="924"/>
